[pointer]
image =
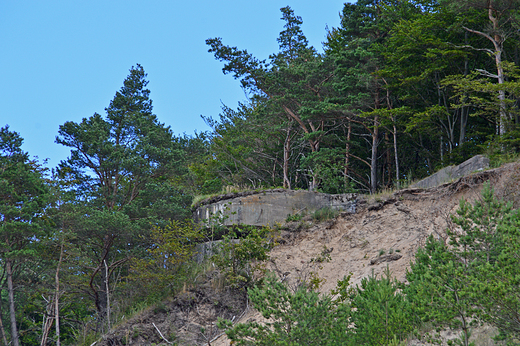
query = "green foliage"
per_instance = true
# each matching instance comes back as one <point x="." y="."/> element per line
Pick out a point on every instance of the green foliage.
<point x="490" y="239"/>
<point x="438" y="288"/>
<point x="403" y="86"/>
<point x="158" y="273"/>
<point x="211" y="186"/>
<point x="496" y="154"/>
<point x="121" y="170"/>
<point x="329" y="165"/>
<point x="325" y="213"/>
<point x="475" y="277"/>
<point x="382" y="312"/>
<point x="24" y="195"/>
<point x="294" y="217"/>
<point x="239" y="258"/>
<point x="289" y="95"/>
<point x="377" y="313"/>
<point x="294" y="318"/>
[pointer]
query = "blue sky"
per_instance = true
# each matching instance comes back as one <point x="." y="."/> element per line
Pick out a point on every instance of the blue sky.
<point x="64" y="60"/>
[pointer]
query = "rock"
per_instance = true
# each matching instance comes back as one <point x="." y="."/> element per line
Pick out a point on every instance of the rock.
<point x="476" y="163"/>
<point x="386" y="258"/>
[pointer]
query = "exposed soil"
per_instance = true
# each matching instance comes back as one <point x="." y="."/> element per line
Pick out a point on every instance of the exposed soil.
<point x="384" y="233"/>
<point x="188" y="319"/>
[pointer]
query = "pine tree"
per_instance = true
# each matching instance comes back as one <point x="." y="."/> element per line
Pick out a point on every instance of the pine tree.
<point x="23" y="197"/>
<point x="121" y="166"/>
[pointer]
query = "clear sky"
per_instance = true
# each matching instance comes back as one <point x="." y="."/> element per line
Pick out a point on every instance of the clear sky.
<point x="64" y="60"/>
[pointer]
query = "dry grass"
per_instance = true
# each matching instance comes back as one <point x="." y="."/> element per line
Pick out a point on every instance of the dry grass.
<point x="235" y="188"/>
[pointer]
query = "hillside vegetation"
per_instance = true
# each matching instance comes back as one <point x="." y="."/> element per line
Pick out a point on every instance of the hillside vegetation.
<point x="401" y="89"/>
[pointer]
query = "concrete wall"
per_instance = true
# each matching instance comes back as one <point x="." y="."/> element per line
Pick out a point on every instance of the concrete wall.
<point x="476" y="163"/>
<point x="269" y="207"/>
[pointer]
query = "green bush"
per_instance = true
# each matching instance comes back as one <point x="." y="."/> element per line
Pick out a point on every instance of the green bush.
<point x="239" y="257"/>
<point x="303" y="317"/>
<point x="376" y="313"/>
<point x="324" y="214"/>
<point x="382" y="312"/>
<point x="476" y="277"/>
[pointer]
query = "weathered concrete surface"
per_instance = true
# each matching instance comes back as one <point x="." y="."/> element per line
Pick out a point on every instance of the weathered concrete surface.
<point x="476" y="163"/>
<point x="269" y="207"/>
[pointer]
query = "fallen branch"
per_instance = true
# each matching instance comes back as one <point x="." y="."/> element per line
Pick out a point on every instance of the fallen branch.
<point x="162" y="336"/>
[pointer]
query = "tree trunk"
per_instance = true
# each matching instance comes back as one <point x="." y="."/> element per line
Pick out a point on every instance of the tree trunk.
<point x="107" y="295"/>
<point x="2" y="329"/>
<point x="388" y="158"/>
<point x="101" y="304"/>
<point x="12" y="311"/>
<point x="498" y="44"/>
<point x="396" y="157"/>
<point x="314" y="144"/>
<point x="286" y="152"/>
<point x="99" y="291"/>
<point x="463" y="124"/>
<point x="48" y="320"/>
<point x="347" y="153"/>
<point x="441" y="149"/>
<point x="57" y="298"/>
<point x="465" y="109"/>
<point x="373" y="159"/>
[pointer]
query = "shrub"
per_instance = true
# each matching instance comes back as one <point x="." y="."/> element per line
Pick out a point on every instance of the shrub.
<point x="239" y="258"/>
<point x="324" y="214"/>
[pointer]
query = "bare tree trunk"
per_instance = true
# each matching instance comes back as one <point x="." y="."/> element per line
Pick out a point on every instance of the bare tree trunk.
<point x="2" y="329"/>
<point x="498" y="44"/>
<point x="463" y="123"/>
<point x="57" y="298"/>
<point x="108" y="295"/>
<point x="48" y="320"/>
<point x="286" y="152"/>
<point x="465" y="110"/>
<point x="441" y="148"/>
<point x="12" y="311"/>
<point x="99" y="291"/>
<point x="373" y="159"/>
<point x="347" y="152"/>
<point x="388" y="158"/>
<point x="396" y="157"/>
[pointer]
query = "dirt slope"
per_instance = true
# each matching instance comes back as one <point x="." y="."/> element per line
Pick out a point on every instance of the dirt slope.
<point x="386" y="231"/>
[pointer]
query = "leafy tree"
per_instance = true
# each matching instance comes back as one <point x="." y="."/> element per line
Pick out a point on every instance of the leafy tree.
<point x="239" y="257"/>
<point x="293" y="84"/>
<point x="121" y="166"/>
<point x="503" y="19"/>
<point x="360" y="91"/>
<point x="418" y="56"/>
<point x="488" y="99"/>
<point x="23" y="198"/>
<point x="375" y="313"/>
<point x="499" y="294"/>
<point x="173" y="245"/>
<point x="239" y="153"/>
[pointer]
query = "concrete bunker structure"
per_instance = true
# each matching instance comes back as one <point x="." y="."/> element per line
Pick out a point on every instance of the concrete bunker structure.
<point x="266" y="208"/>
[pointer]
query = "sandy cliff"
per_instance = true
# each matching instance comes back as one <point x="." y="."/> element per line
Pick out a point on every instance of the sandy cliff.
<point x="386" y="231"/>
